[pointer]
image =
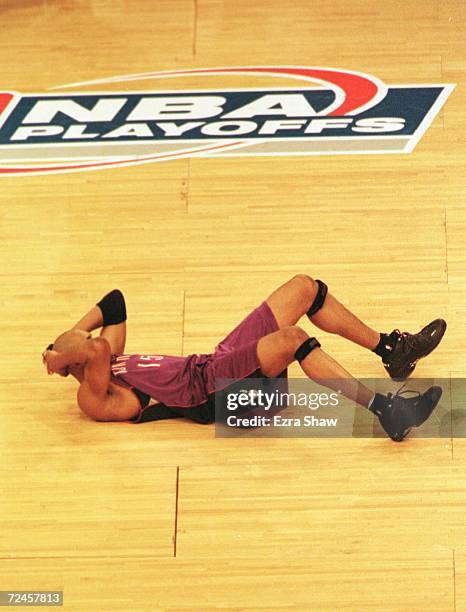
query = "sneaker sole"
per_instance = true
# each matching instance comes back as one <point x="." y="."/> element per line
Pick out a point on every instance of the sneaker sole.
<point x="403" y="435"/>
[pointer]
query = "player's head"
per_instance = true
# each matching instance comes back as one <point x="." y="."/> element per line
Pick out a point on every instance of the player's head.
<point x="67" y="340"/>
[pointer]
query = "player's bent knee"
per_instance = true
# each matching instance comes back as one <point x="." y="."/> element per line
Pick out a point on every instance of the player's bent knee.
<point x="292" y="337"/>
<point x="306" y="281"/>
<point x="308" y="287"/>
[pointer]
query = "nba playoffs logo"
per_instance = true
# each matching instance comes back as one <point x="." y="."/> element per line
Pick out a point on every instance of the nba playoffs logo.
<point x="322" y="111"/>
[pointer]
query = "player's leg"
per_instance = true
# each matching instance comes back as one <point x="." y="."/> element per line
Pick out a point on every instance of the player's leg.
<point x="293" y="300"/>
<point x="397" y="414"/>
<point x="399" y="351"/>
<point x="278" y="350"/>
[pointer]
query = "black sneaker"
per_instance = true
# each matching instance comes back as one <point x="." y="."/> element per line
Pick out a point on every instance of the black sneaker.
<point x="407" y="349"/>
<point x="398" y="414"/>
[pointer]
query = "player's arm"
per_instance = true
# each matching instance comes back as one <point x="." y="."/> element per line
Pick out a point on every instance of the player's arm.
<point x="93" y="357"/>
<point x="93" y="392"/>
<point x="110" y="314"/>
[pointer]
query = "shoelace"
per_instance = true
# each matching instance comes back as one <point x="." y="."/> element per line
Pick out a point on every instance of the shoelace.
<point x="402" y="392"/>
<point x="407" y="336"/>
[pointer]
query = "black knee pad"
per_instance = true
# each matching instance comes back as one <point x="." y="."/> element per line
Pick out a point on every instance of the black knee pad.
<point x="306" y="347"/>
<point x="319" y="299"/>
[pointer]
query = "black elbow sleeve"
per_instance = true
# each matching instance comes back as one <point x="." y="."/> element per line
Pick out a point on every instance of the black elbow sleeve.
<point x="113" y="308"/>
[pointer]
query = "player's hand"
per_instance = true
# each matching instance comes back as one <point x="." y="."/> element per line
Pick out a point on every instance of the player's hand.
<point x="52" y="361"/>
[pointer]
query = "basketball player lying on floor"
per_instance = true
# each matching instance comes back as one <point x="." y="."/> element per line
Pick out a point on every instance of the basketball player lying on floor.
<point x="139" y="388"/>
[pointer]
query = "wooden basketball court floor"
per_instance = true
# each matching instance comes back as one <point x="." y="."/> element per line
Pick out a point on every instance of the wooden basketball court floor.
<point x="165" y="516"/>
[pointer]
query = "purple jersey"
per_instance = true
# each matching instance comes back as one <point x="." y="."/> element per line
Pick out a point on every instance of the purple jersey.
<point x="173" y="381"/>
<point x="185" y="382"/>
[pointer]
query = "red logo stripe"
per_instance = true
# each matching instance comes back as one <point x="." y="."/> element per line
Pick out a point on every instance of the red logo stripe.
<point x="359" y="89"/>
<point x="5" y="99"/>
